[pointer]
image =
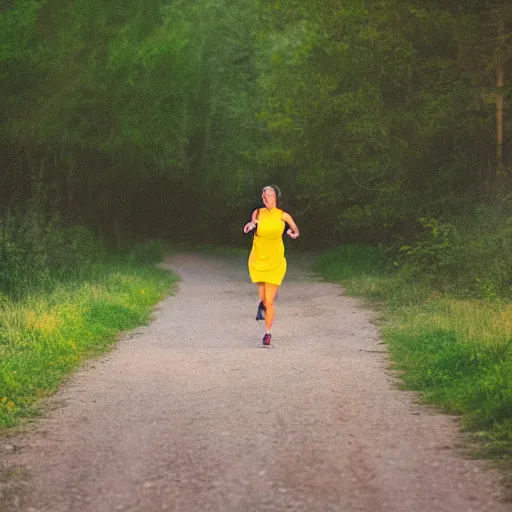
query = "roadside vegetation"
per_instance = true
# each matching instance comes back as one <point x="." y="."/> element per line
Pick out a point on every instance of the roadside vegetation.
<point x="66" y="299"/>
<point x="384" y="123"/>
<point x="447" y="322"/>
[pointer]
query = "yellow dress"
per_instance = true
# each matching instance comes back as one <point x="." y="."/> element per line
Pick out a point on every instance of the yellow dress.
<point x="267" y="263"/>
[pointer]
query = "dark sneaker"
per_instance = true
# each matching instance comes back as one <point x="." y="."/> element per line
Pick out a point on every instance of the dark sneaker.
<point x="260" y="315"/>
<point x="267" y="338"/>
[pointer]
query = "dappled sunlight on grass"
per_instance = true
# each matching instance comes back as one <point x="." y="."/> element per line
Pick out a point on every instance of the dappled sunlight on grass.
<point x="43" y="338"/>
<point x="479" y="322"/>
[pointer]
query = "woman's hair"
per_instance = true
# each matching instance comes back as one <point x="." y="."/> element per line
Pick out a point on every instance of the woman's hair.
<point x="275" y="188"/>
<point x="277" y="191"/>
<point x="280" y="202"/>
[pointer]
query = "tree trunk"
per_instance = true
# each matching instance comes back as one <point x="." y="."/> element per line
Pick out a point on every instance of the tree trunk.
<point x="500" y="78"/>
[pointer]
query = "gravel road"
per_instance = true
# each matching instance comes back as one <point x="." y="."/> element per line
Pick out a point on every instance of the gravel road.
<point x="192" y="413"/>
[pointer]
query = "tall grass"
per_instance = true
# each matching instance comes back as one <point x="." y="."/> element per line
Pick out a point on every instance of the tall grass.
<point x="456" y="352"/>
<point x="45" y="336"/>
<point x="64" y="298"/>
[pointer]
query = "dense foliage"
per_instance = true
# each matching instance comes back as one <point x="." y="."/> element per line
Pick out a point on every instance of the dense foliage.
<point x="158" y="118"/>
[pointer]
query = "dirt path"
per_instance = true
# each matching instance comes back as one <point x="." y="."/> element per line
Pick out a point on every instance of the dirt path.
<point x="192" y="414"/>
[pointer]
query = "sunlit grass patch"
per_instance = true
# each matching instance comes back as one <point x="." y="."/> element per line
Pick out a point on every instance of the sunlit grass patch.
<point x="44" y="337"/>
<point x="365" y="272"/>
<point x="482" y="322"/>
<point x="457" y="353"/>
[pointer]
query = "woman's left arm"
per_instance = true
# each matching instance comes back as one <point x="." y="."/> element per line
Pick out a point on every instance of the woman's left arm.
<point x="293" y="232"/>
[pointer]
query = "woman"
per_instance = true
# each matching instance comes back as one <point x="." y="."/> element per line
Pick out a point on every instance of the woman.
<point x="267" y="264"/>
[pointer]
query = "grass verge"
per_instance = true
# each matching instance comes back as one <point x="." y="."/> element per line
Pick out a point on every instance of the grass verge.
<point x="45" y="336"/>
<point x="456" y="353"/>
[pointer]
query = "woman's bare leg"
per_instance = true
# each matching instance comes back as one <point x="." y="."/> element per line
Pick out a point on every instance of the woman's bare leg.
<point x="261" y="291"/>
<point x="270" y="293"/>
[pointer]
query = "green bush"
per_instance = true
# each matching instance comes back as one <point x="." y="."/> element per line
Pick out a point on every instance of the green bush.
<point x="148" y="252"/>
<point x="23" y="258"/>
<point x="72" y="248"/>
<point x="35" y="250"/>
<point x="469" y="256"/>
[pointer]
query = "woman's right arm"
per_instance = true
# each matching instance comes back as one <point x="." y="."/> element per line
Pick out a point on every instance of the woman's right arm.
<point x="254" y="220"/>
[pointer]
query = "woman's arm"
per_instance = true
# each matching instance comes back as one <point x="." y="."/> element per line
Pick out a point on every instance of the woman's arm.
<point x="254" y="220"/>
<point x="293" y="232"/>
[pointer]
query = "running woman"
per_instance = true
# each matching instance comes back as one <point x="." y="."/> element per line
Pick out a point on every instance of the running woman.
<point x="267" y="263"/>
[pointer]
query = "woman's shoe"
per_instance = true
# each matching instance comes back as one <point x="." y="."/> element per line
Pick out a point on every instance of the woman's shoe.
<point x="260" y="315"/>
<point x="267" y="338"/>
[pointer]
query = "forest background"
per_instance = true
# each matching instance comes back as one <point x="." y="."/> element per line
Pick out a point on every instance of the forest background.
<point x="382" y="121"/>
<point x="385" y="123"/>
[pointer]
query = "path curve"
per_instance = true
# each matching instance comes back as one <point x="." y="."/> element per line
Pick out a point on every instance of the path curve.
<point x="191" y="413"/>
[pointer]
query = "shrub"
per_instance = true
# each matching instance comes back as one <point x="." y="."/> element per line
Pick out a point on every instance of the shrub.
<point x="35" y="250"/>
<point x="148" y="252"/>
<point x="470" y="256"/>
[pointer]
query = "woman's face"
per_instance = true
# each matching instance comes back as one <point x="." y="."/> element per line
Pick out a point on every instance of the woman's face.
<point x="269" y="197"/>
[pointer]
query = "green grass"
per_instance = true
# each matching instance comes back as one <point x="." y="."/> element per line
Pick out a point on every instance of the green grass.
<point x="457" y="353"/>
<point x="46" y="336"/>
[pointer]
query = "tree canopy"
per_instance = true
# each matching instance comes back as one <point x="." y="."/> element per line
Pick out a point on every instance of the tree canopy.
<point x="165" y="119"/>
